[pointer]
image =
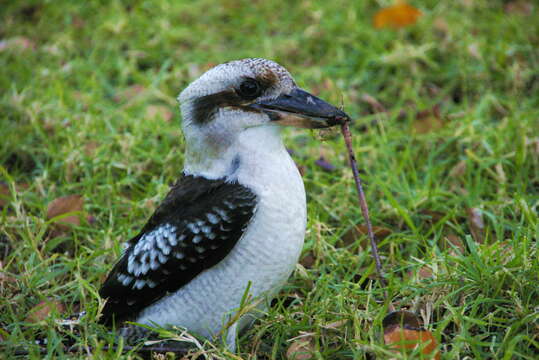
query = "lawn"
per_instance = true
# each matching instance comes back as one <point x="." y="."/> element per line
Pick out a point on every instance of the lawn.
<point x="446" y="132"/>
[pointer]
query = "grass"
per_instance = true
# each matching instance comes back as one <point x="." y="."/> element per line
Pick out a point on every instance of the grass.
<point x="88" y="107"/>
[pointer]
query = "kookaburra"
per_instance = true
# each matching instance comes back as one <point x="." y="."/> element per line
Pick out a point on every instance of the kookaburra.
<point x="236" y="218"/>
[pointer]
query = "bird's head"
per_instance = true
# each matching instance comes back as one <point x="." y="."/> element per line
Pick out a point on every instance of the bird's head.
<point x="232" y="98"/>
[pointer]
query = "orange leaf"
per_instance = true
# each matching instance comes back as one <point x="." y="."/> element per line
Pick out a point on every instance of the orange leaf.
<point x="402" y="332"/>
<point x="406" y="339"/>
<point x="396" y="16"/>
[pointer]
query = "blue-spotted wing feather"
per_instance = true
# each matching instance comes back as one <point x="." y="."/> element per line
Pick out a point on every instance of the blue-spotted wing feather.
<point x="195" y="227"/>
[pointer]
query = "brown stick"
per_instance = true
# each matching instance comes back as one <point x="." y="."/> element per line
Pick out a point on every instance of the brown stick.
<point x="362" y="200"/>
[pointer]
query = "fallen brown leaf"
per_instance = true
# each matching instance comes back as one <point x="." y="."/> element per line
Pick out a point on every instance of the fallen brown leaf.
<point x="334" y="325"/>
<point x="64" y="205"/>
<point x="308" y="261"/>
<point x="396" y="16"/>
<point x="402" y="332"/>
<point x="43" y="310"/>
<point x="5" y="192"/>
<point x="425" y="273"/>
<point x="90" y="148"/>
<point x="477" y="225"/>
<point x="434" y="215"/>
<point x="455" y="241"/>
<point x="300" y="349"/>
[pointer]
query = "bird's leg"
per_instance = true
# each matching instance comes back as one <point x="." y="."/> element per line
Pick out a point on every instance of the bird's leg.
<point x="133" y="334"/>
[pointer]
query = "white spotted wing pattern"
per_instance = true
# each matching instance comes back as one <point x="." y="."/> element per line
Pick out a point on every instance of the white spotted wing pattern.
<point x="195" y="227"/>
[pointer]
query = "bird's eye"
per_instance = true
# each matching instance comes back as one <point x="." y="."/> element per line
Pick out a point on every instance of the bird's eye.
<point x="249" y="89"/>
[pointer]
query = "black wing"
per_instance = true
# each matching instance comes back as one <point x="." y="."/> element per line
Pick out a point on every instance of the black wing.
<point x="195" y="227"/>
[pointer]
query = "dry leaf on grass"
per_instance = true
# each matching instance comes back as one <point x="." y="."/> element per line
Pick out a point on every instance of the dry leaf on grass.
<point x="452" y="241"/>
<point x="43" y="310"/>
<point x="90" y="148"/>
<point x="477" y="225"/>
<point x="425" y="273"/>
<point x="308" y="261"/>
<point x="301" y="348"/>
<point x="434" y="215"/>
<point x="5" y="192"/>
<point x="403" y="332"/>
<point x="396" y="16"/>
<point x="64" y="205"/>
<point x="334" y="325"/>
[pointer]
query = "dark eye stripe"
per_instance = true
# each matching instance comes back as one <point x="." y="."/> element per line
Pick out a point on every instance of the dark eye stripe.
<point x="205" y="107"/>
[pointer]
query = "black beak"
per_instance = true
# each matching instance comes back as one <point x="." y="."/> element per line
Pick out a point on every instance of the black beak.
<point x="301" y="109"/>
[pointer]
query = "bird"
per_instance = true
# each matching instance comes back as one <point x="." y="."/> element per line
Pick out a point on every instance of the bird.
<point x="234" y="223"/>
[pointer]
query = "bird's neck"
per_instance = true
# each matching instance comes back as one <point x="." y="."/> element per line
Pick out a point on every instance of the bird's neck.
<point x="249" y="154"/>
